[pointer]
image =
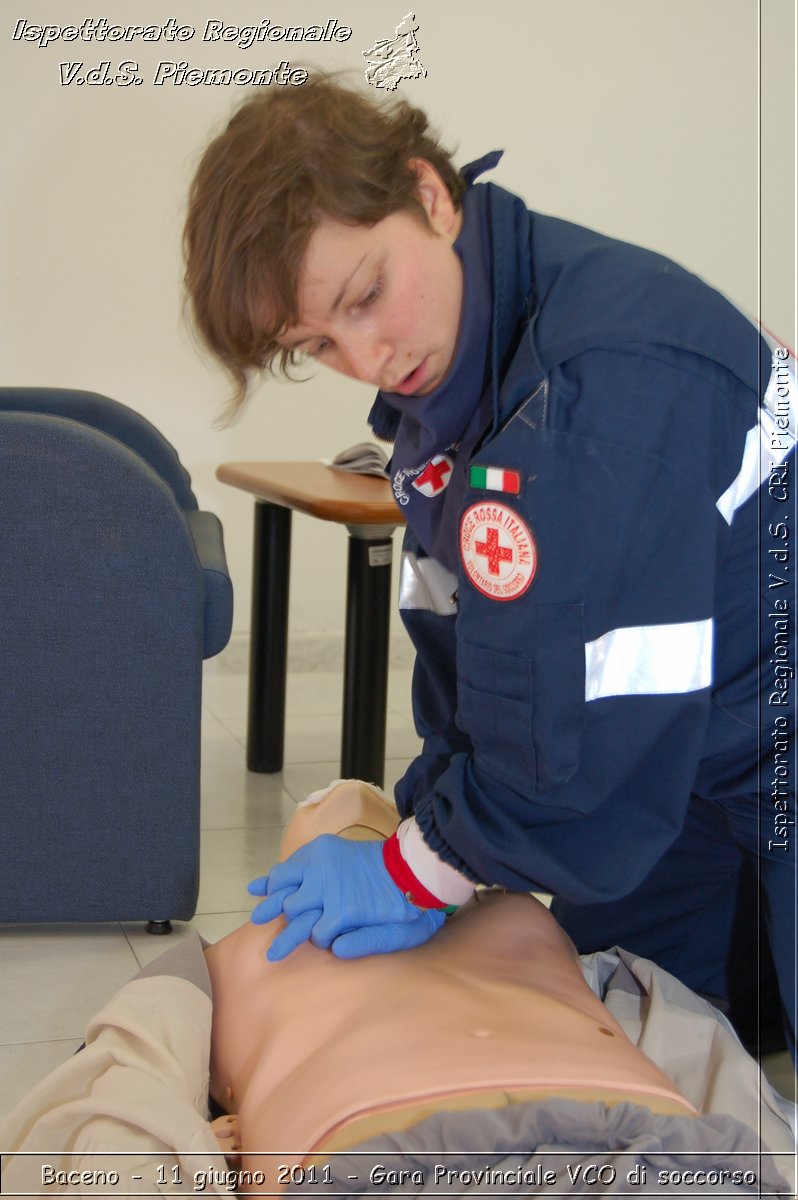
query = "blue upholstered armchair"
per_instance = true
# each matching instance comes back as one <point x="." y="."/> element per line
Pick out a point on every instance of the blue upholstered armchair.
<point x="113" y="588"/>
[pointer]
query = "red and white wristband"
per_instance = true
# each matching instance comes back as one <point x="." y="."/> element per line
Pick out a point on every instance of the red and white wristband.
<point x="416" y="870"/>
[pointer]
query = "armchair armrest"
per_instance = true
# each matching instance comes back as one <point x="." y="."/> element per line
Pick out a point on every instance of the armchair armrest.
<point x="206" y="530"/>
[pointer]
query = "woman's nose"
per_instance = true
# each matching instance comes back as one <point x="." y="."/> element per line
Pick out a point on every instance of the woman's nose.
<point x="368" y="355"/>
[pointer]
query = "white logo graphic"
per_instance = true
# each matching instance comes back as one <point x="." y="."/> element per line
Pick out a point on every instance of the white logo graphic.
<point x="390" y="60"/>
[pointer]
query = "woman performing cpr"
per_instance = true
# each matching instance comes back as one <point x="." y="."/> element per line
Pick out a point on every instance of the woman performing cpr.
<point x="583" y="436"/>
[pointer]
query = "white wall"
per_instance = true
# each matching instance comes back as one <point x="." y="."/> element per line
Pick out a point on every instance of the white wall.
<point x="639" y="117"/>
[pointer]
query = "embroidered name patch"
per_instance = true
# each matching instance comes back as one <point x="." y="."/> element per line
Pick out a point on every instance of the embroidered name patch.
<point x="498" y="551"/>
<point x="435" y="476"/>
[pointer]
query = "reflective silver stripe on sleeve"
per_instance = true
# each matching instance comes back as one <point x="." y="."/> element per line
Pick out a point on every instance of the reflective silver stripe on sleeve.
<point x="772" y="438"/>
<point x="649" y="660"/>
<point x="425" y="584"/>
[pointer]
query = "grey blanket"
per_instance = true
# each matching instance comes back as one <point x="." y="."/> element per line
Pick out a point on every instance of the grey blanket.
<point x="538" y="1149"/>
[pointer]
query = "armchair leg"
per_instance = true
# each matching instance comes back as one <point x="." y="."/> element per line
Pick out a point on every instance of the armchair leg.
<point x="159" y="927"/>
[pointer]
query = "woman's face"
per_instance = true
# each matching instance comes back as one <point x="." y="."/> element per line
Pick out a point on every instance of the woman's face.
<point x="381" y="303"/>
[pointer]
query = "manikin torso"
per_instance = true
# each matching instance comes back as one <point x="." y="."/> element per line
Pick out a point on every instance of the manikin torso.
<point x="320" y="1054"/>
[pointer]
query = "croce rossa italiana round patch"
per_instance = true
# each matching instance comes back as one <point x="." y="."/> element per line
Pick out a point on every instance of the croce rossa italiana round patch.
<point x="498" y="550"/>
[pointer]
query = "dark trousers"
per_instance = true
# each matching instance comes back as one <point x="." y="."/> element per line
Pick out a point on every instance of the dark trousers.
<point x="718" y="911"/>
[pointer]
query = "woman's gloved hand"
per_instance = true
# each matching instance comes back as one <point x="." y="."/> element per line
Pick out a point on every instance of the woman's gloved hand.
<point x="338" y="894"/>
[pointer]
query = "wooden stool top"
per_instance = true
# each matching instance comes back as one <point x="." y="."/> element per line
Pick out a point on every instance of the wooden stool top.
<point x="318" y="490"/>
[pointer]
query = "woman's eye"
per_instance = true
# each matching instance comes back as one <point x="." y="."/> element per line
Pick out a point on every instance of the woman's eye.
<point x="371" y="295"/>
<point x="319" y="348"/>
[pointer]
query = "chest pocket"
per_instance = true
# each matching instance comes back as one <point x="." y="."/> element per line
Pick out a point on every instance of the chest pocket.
<point x="524" y="711"/>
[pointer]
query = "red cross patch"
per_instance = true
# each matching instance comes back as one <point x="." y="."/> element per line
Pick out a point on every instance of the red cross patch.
<point x="435" y="476"/>
<point x="498" y="551"/>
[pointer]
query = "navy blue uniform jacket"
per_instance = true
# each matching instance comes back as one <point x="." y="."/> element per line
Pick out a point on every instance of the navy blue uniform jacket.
<point x="567" y="723"/>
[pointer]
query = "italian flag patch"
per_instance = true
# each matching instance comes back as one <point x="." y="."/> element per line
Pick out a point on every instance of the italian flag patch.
<point x="495" y="479"/>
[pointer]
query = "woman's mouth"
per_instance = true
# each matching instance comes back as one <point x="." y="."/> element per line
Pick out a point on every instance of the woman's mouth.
<point x="414" y="382"/>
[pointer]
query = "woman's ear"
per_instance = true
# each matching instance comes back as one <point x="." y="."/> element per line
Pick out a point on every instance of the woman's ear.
<point x="436" y="199"/>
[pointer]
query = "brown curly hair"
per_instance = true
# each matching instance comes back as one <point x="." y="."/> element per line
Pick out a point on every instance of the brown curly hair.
<point x="286" y="160"/>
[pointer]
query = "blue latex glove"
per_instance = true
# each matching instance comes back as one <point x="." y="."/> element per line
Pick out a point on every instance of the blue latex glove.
<point x="339" y="895"/>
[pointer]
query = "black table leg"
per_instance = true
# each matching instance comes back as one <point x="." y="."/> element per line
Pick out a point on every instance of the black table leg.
<point x="268" y="655"/>
<point x="368" y="614"/>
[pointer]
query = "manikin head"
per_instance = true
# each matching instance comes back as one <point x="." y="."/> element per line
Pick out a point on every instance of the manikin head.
<point x="322" y="224"/>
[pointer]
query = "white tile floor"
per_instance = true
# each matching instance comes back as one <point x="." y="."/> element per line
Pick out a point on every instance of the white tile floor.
<point x="53" y="978"/>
